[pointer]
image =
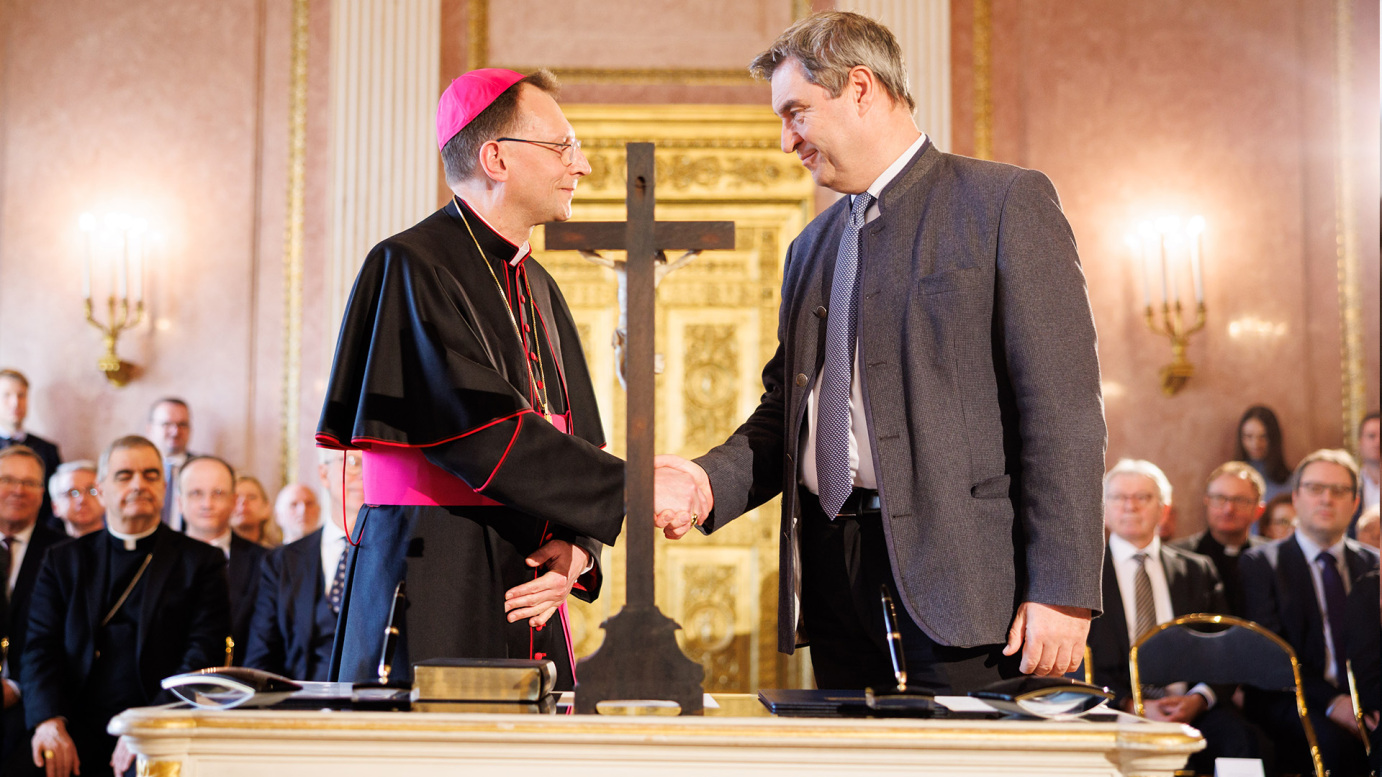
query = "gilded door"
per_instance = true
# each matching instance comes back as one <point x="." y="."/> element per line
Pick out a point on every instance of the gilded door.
<point x="716" y="328"/>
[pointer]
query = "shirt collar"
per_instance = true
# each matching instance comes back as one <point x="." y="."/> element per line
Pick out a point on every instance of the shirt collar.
<point x="1121" y="550"/>
<point x="896" y="167"/>
<point x="331" y="532"/>
<point x="18" y="437"/>
<point x="501" y="246"/>
<point x="131" y="539"/>
<point x="23" y="535"/>
<point x="1312" y="550"/>
<point x="222" y="542"/>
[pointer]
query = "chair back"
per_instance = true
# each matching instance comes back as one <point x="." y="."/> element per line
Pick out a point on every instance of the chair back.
<point x="1219" y="650"/>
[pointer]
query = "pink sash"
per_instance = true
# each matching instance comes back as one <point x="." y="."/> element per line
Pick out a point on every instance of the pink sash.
<point x="401" y="475"/>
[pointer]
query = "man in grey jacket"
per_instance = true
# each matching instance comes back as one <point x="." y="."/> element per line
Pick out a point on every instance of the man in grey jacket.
<point x="932" y="416"/>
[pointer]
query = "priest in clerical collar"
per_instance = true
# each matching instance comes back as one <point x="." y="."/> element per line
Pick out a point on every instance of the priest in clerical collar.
<point x="113" y="613"/>
<point x="460" y="375"/>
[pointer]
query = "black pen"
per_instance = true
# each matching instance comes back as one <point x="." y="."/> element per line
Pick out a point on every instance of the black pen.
<point x="391" y="633"/>
<point x="894" y="639"/>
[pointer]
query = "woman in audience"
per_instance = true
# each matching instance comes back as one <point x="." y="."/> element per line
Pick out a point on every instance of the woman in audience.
<point x="1259" y="444"/>
<point x="252" y="518"/>
<point x="1278" y="519"/>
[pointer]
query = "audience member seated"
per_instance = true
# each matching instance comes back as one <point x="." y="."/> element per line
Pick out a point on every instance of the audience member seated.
<point x="23" y="543"/>
<point x="1147" y="583"/>
<point x="1369" y="533"/>
<point x="300" y="592"/>
<point x="1278" y="519"/>
<point x="253" y="514"/>
<point x="14" y="408"/>
<point x="76" y="501"/>
<point x="296" y="511"/>
<point x="112" y="614"/>
<point x="1369" y="459"/>
<point x="1232" y="501"/>
<point x="1259" y="444"/>
<point x="1298" y="587"/>
<point x="170" y="428"/>
<point x="208" y="497"/>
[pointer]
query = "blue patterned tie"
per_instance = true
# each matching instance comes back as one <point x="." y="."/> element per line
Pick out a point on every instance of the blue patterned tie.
<point x="1334" y="604"/>
<point x="333" y="596"/>
<point x="832" y="436"/>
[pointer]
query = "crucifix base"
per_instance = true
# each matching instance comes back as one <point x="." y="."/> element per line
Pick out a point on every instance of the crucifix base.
<point x="640" y="660"/>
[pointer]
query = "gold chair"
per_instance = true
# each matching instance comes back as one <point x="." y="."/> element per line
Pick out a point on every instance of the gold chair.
<point x="1239" y="653"/>
<point x="1357" y="707"/>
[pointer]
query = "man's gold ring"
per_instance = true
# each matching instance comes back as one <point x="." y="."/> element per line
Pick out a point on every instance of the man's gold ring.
<point x="695" y="517"/>
<point x="49" y="755"/>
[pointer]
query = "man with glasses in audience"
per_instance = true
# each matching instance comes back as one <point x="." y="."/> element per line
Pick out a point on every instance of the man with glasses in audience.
<point x="1145" y="583"/>
<point x="1298" y="587"/>
<point x="112" y="614"/>
<point x="459" y="374"/>
<point x="1232" y="501"/>
<point x="170" y="428"/>
<point x="76" y="501"/>
<point x="23" y="542"/>
<point x="207" y="499"/>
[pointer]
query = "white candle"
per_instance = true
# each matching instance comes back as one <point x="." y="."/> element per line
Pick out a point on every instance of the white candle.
<point x="1196" y="251"/>
<point x="1144" y="252"/>
<point x="87" y="222"/>
<point x="139" y="276"/>
<point x="1165" y="295"/>
<point x="124" y="263"/>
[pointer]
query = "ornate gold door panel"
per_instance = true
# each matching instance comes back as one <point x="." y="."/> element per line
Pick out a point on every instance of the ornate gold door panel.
<point x="716" y="328"/>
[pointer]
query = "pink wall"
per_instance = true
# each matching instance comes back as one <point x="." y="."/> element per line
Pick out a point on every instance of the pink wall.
<point x="179" y="111"/>
<point x="1223" y="109"/>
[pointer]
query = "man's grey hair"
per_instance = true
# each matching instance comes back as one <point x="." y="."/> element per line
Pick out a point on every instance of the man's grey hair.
<point x="1147" y="470"/>
<point x="829" y="44"/>
<point x="62" y="476"/>
<point x="1332" y="455"/>
<point x="125" y="443"/>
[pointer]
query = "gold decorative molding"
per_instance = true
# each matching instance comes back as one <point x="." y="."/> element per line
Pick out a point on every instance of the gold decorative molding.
<point x="293" y="239"/>
<point x="711" y="358"/>
<point x="983" y="79"/>
<point x="150" y="768"/>
<point x="1353" y="366"/>
<point x="477" y="56"/>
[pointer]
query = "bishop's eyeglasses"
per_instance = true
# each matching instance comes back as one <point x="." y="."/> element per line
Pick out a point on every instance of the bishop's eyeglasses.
<point x="567" y="151"/>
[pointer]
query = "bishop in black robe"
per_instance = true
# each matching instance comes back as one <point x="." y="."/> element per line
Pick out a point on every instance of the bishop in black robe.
<point x="460" y="374"/>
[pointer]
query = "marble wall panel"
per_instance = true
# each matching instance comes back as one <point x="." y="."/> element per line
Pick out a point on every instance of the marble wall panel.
<point x="1222" y="109"/>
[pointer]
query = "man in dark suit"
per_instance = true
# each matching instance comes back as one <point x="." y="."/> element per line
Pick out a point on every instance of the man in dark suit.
<point x="208" y="498"/>
<point x="300" y="592"/>
<point x="1232" y="502"/>
<point x="1147" y="583"/>
<point x="14" y="408"/>
<point x="23" y="543"/>
<point x="932" y="416"/>
<point x="112" y="614"/>
<point x="1298" y="587"/>
<point x="170" y="428"/>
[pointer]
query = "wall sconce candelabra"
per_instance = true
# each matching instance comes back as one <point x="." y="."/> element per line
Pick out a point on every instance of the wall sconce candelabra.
<point x="1163" y="246"/>
<point x="126" y="269"/>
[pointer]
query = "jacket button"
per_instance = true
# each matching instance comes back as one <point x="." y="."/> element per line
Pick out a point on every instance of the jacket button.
<point x="820" y="311"/>
<point x="801" y="379"/>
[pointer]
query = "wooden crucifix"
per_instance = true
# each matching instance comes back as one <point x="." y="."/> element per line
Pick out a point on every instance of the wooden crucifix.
<point x="640" y="658"/>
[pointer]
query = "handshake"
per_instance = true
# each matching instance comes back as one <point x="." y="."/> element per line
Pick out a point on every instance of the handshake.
<point x="681" y="495"/>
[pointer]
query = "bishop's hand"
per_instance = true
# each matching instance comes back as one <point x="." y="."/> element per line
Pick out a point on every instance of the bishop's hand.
<point x="537" y="599"/>
<point x="681" y="495"/>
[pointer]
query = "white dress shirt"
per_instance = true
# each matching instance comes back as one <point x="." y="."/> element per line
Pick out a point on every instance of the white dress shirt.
<point x="860" y="449"/>
<point x="1312" y="550"/>
<point x="333" y="543"/>
<point x="222" y="543"/>
<point x="1124" y="555"/>
<point x="19" y="546"/>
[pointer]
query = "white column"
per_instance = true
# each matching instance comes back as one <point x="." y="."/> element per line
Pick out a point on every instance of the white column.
<point x="922" y="28"/>
<point x="385" y="59"/>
